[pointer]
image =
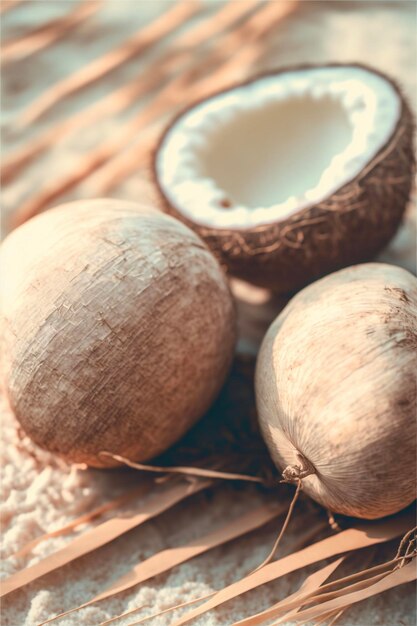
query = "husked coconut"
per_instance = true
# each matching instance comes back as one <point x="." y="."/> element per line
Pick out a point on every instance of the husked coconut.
<point x="292" y="174"/>
<point x="118" y="329"/>
<point x="336" y="390"/>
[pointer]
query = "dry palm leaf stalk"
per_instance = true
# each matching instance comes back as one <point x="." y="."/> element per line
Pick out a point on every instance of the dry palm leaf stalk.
<point x="160" y="501"/>
<point x="304" y="596"/>
<point x="82" y="519"/>
<point x="115" y="102"/>
<point x="48" y="33"/>
<point x="122" y="98"/>
<point x="128" y="50"/>
<point x="364" y="535"/>
<point x="363" y="577"/>
<point x="310" y="585"/>
<point x="335" y="615"/>
<point x="364" y="582"/>
<point x="167" y="559"/>
<point x="361" y="584"/>
<point x="400" y="576"/>
<point x="320" y="598"/>
<point x="172" y="94"/>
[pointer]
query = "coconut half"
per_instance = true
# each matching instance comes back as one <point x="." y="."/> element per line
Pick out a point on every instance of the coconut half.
<point x="292" y="174"/>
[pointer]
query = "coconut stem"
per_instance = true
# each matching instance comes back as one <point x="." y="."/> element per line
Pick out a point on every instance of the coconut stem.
<point x="296" y="472"/>
<point x="283" y="529"/>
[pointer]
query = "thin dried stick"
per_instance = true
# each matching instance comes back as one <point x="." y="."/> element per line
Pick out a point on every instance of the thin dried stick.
<point x="188" y="471"/>
<point x="147" y="36"/>
<point x="168" y="610"/>
<point x="48" y="33"/>
<point x="171" y="94"/>
<point x="124" y="163"/>
<point x="121" y="98"/>
<point x="146" y="617"/>
<point x="111" y="620"/>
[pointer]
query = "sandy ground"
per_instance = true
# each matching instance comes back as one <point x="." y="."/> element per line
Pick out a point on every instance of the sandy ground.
<point x="38" y="492"/>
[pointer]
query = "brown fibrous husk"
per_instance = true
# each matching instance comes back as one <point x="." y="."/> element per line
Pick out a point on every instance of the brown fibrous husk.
<point x="350" y="226"/>
<point x="118" y="330"/>
<point x="336" y="390"/>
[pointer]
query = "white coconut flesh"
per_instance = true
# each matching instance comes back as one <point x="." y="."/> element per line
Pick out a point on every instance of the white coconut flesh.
<point x="264" y="150"/>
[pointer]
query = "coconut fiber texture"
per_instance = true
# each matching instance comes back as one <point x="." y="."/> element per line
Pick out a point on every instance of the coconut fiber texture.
<point x="369" y="313"/>
<point x="39" y="493"/>
<point x="159" y="299"/>
<point x="350" y="226"/>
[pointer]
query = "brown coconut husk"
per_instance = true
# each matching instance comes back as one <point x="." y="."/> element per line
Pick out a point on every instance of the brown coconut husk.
<point x="102" y="391"/>
<point x="350" y="226"/>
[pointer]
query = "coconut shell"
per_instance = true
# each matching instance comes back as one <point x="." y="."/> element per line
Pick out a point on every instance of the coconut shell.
<point x="336" y="390"/>
<point x="350" y="226"/>
<point x="118" y="330"/>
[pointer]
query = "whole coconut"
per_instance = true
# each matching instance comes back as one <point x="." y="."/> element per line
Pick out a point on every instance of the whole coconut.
<point x="118" y="329"/>
<point x="336" y="390"/>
